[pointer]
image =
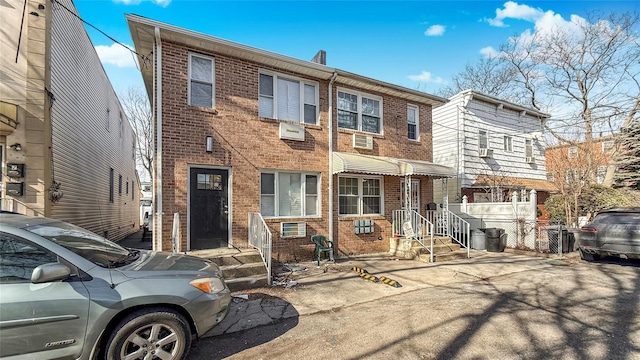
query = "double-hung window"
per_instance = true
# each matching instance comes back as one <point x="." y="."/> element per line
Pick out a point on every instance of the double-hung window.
<point x="361" y="112"/>
<point x="201" y="80"/>
<point x="528" y="148"/>
<point x="572" y="152"/>
<point x="508" y="143"/>
<point x="412" y="121"/>
<point x="289" y="194"/>
<point x="290" y="99"/>
<point x="360" y="196"/>
<point x="483" y="139"/>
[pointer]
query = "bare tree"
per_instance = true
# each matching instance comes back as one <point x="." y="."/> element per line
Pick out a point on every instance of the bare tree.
<point x="586" y="73"/>
<point x="136" y="105"/>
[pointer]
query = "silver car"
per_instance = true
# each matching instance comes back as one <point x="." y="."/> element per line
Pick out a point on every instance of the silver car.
<point x="67" y="293"/>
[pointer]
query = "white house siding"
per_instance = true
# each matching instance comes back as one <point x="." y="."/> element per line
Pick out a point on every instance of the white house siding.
<point x="84" y="150"/>
<point x="471" y="114"/>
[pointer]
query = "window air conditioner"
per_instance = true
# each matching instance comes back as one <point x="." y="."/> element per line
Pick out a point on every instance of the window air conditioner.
<point x="530" y="159"/>
<point x="362" y="141"/>
<point x="486" y="153"/>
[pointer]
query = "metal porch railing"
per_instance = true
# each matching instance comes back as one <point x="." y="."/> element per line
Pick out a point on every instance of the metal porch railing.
<point x="422" y="228"/>
<point x="446" y="223"/>
<point x="260" y="238"/>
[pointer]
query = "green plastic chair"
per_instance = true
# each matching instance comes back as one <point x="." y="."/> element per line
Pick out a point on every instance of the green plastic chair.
<point x="323" y="245"/>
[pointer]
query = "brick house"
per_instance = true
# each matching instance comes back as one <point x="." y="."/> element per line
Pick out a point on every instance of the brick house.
<point x="241" y="130"/>
<point x="567" y="164"/>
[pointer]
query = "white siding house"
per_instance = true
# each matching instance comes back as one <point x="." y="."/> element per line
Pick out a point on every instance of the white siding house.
<point x="74" y="137"/>
<point x="496" y="146"/>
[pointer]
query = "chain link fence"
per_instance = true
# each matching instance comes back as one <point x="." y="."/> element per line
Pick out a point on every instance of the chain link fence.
<point x="532" y="235"/>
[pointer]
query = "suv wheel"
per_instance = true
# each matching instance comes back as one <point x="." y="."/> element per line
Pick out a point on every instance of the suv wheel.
<point x="588" y="256"/>
<point x="155" y="333"/>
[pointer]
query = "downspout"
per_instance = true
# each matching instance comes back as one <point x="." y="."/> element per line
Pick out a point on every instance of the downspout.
<point x="157" y="235"/>
<point x="333" y="78"/>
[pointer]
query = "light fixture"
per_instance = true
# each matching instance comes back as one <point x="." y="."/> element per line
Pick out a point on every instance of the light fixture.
<point x="41" y="6"/>
<point x="16" y="147"/>
<point x="209" y="144"/>
<point x="34" y="13"/>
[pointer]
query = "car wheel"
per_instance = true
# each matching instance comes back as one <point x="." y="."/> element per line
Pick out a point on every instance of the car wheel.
<point x="154" y="333"/>
<point x="588" y="256"/>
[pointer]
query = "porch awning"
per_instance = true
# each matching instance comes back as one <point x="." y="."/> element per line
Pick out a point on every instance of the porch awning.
<point x="382" y="165"/>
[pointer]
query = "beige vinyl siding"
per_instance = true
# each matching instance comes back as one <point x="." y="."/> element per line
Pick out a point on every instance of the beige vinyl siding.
<point x="83" y="149"/>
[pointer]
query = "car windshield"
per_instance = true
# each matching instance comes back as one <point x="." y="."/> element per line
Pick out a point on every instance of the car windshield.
<point x="90" y="246"/>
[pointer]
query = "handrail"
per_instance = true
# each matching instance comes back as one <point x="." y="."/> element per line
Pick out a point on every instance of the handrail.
<point x="17" y="206"/>
<point x="449" y="224"/>
<point x="260" y="237"/>
<point x="421" y="228"/>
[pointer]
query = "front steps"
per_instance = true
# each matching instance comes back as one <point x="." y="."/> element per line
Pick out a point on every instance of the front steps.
<point x="242" y="270"/>
<point x="444" y="249"/>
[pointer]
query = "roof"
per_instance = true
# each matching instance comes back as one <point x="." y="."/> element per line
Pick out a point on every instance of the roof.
<point x="382" y="165"/>
<point x="538" y="185"/>
<point x="143" y="32"/>
<point x="473" y="94"/>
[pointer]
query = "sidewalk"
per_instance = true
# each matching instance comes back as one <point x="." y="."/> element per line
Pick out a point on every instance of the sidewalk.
<point x="311" y="289"/>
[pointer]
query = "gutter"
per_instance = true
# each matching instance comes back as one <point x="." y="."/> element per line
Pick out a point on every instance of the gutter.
<point x="333" y="78"/>
<point x="157" y="235"/>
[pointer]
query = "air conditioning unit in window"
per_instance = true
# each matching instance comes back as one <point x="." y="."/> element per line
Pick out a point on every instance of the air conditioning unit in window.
<point x="530" y="159"/>
<point x="362" y="141"/>
<point x="293" y="229"/>
<point x="486" y="153"/>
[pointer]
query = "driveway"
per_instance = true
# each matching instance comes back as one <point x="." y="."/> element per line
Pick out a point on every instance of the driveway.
<point x="492" y="306"/>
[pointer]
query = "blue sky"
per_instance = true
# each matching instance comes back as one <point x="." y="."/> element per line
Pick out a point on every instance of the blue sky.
<point x="416" y="44"/>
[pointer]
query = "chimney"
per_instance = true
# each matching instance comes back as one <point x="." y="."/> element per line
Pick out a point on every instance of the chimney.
<point x="320" y="58"/>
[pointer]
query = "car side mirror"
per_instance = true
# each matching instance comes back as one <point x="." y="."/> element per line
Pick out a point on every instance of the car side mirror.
<point x="50" y="272"/>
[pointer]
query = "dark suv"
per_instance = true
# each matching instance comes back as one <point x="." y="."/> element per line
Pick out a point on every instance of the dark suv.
<point x="612" y="232"/>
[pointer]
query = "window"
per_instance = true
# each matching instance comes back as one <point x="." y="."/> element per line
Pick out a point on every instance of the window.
<point x="360" y="112"/>
<point x="288" y="99"/>
<point x="18" y="258"/>
<point x="508" y="143"/>
<point x="528" y="148"/>
<point x="574" y="176"/>
<point x="360" y="196"/>
<point x="573" y="152"/>
<point x="607" y="147"/>
<point x="119" y="184"/>
<point x="289" y="194"/>
<point x="412" y="121"/>
<point x="601" y="173"/>
<point x="111" y="185"/>
<point x="415" y="194"/>
<point x="551" y="177"/>
<point x="209" y="182"/>
<point x="201" y="85"/>
<point x="127" y="188"/>
<point x="132" y="192"/>
<point x="483" y="139"/>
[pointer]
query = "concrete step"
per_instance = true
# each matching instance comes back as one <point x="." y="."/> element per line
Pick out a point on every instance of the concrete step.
<point x="437" y="248"/>
<point x="245" y="257"/>
<point x="243" y="270"/>
<point x="247" y="282"/>
<point x="449" y="256"/>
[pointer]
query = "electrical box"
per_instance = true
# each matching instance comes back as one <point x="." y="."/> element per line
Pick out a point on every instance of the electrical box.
<point x="15" y="188"/>
<point x="15" y="170"/>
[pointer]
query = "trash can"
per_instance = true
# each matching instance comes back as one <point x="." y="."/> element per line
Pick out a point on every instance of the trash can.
<point x="496" y="239"/>
<point x="478" y="240"/>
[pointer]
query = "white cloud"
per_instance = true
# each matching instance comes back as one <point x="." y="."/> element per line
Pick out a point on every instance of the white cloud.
<point x="426" y="76"/>
<point x="489" y="52"/>
<point x="163" y="3"/>
<point x="117" y="55"/>
<point x="513" y="10"/>
<point x="435" y="30"/>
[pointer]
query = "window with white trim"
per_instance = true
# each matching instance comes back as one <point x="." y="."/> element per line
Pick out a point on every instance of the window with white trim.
<point x="572" y="152"/>
<point x="360" y="195"/>
<point x="287" y="194"/>
<point x="528" y="148"/>
<point x="483" y="139"/>
<point x="287" y="98"/>
<point x="508" y="143"/>
<point x="201" y="80"/>
<point x="607" y="147"/>
<point x="601" y="173"/>
<point x="412" y="123"/>
<point x="359" y="111"/>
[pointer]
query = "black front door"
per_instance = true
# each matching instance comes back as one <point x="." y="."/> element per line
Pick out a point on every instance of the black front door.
<point x="209" y="208"/>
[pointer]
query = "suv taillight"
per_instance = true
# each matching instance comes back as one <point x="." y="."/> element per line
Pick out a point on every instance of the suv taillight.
<point x="589" y="229"/>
